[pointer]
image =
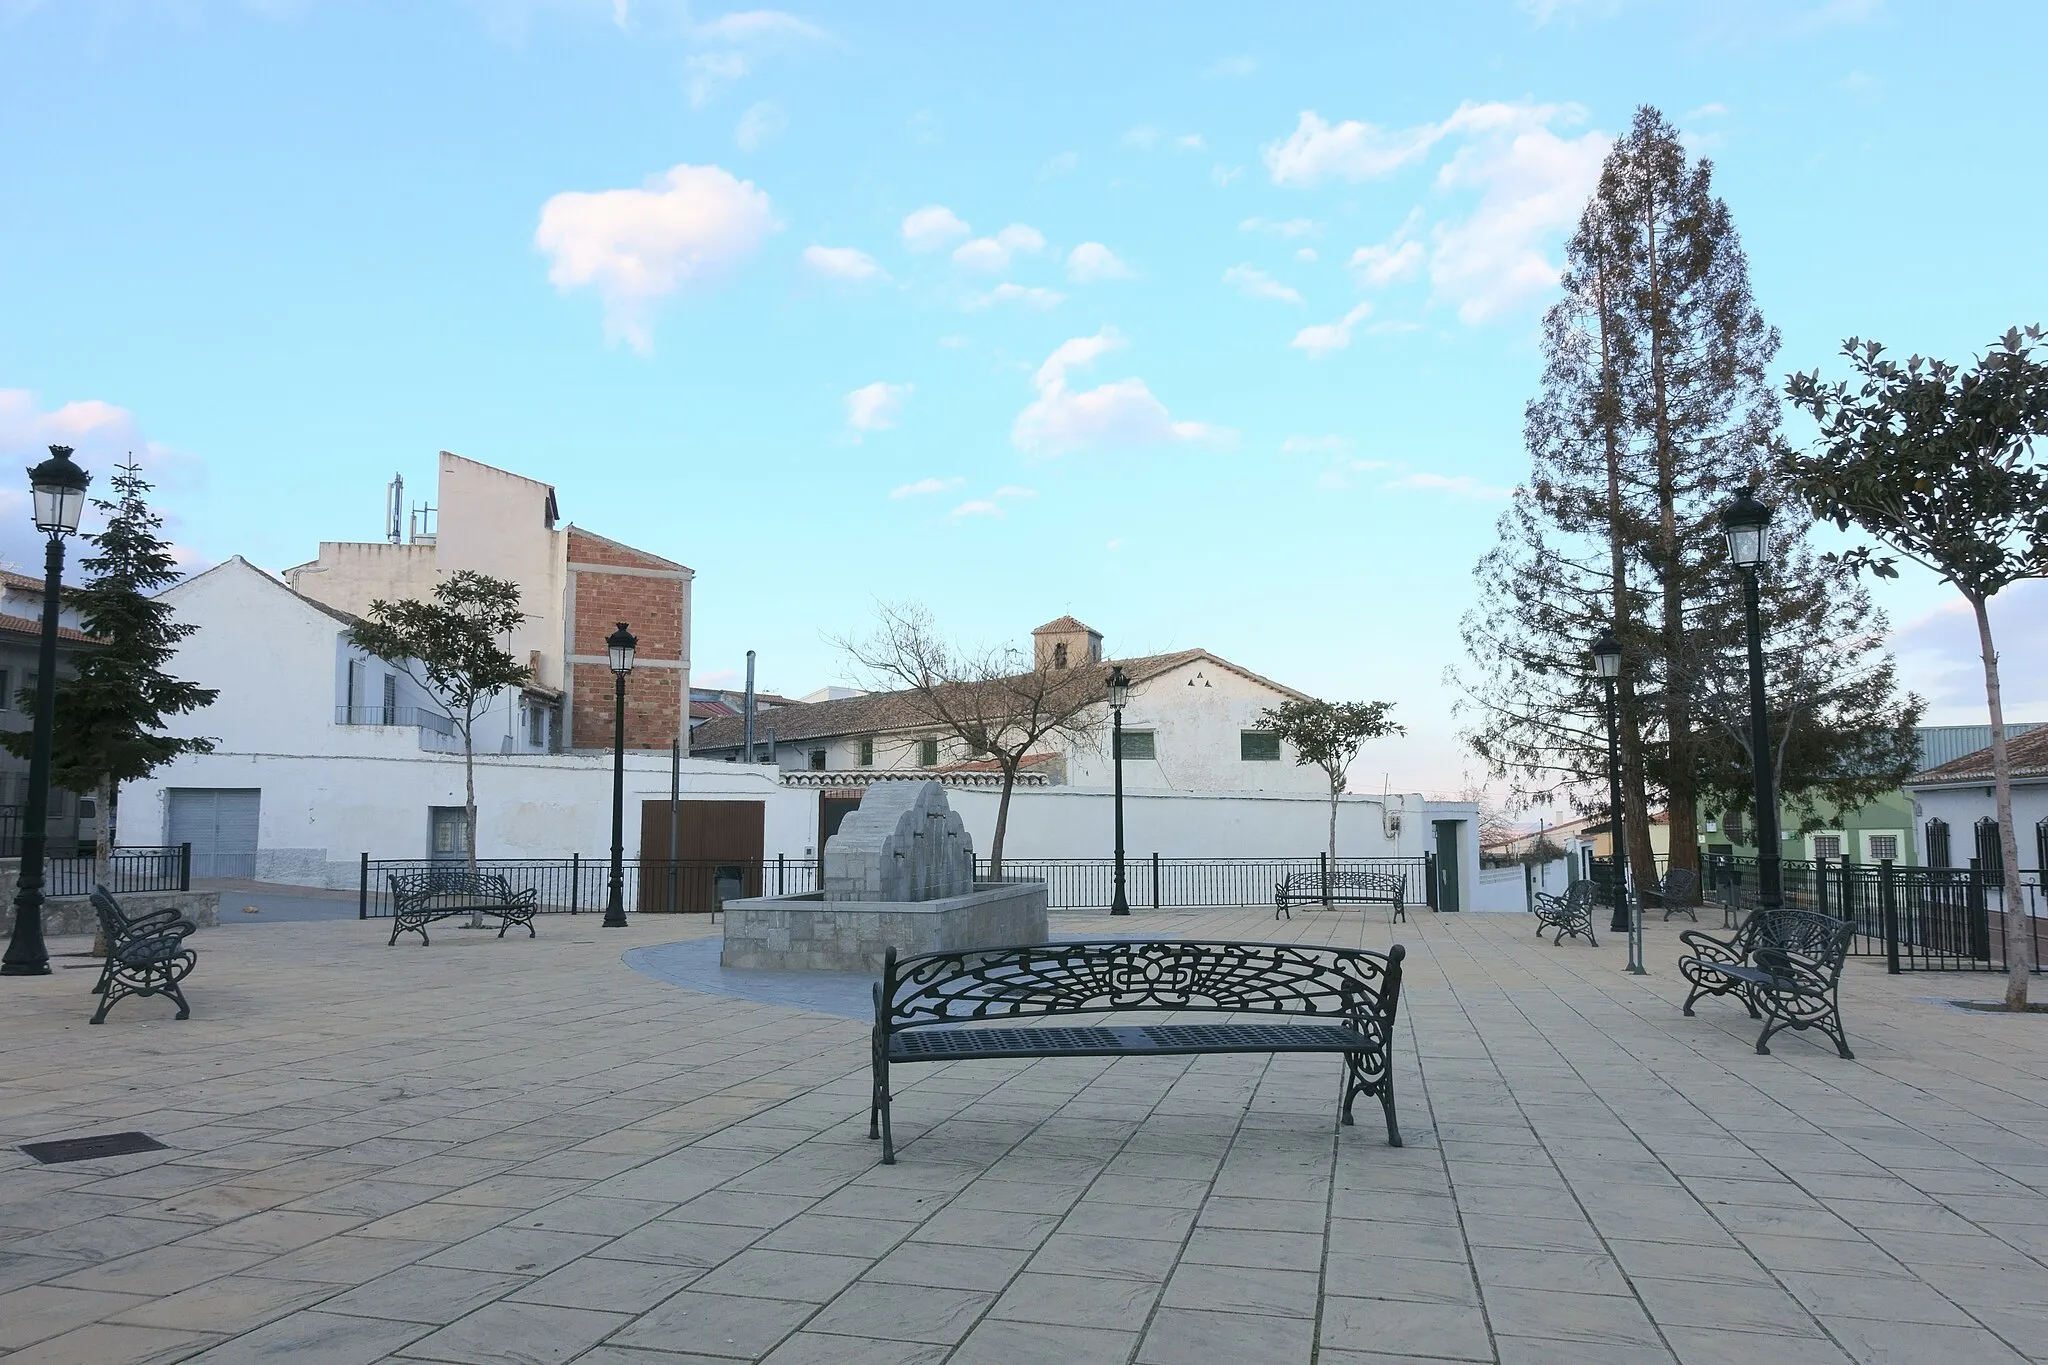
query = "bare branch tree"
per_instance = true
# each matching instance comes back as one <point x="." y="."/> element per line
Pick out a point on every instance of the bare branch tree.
<point x="996" y="702"/>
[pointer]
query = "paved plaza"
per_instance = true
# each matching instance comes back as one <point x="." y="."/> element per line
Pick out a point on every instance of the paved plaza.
<point x="527" y="1151"/>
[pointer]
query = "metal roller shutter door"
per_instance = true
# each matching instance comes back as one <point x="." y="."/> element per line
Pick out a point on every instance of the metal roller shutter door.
<point x="220" y="824"/>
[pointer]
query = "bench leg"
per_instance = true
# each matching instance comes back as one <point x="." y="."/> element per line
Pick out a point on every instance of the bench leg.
<point x="878" y="1109"/>
<point x="170" y="988"/>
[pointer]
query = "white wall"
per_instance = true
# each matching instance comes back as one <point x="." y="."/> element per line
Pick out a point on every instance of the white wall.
<point x="318" y="814"/>
<point x="1196" y="713"/>
<point x="1963" y="807"/>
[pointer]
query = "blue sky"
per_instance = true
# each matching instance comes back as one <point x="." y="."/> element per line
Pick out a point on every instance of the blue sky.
<point x="1210" y="324"/>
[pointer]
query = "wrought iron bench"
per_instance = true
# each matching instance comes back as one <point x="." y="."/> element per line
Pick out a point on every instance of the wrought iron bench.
<point x="1785" y="964"/>
<point x="1678" y="893"/>
<point x="419" y="898"/>
<point x="1570" y="914"/>
<point x="1307" y="888"/>
<point x="146" y="955"/>
<point x="948" y="1007"/>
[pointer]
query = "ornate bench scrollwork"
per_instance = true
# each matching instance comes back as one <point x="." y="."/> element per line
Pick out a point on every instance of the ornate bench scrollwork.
<point x="1570" y="914"/>
<point x="1785" y="964"/>
<point x="146" y="955"/>
<point x="1313" y="888"/>
<point x="419" y="898"/>
<point x="942" y="1007"/>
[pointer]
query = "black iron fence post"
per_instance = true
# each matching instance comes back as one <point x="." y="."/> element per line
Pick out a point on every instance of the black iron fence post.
<point x="184" y="867"/>
<point x="1323" y="862"/>
<point x="781" y="859"/>
<point x="575" y="881"/>
<point x="1980" y="917"/>
<point x="1888" y="903"/>
<point x="1429" y="879"/>
<point x="1155" y="881"/>
<point x="363" y="890"/>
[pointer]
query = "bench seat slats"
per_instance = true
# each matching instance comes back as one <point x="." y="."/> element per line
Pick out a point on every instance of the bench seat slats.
<point x="940" y="1044"/>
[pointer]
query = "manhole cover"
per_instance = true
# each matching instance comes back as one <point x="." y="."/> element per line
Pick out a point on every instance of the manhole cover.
<point x="92" y="1148"/>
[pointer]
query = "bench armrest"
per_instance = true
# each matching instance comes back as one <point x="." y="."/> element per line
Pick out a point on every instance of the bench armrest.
<point x="1794" y="974"/>
<point x="152" y="945"/>
<point x="1710" y="948"/>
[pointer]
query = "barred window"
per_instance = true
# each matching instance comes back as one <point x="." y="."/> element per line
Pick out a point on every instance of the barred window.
<point x="1884" y="848"/>
<point x="1827" y="847"/>
<point x="1258" y="746"/>
<point x="1140" y="744"/>
<point x="1937" y="844"/>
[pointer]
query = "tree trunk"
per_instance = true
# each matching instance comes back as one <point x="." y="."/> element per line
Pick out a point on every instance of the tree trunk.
<point x="995" y="845"/>
<point x="1635" y="801"/>
<point x="2019" y="939"/>
<point x="476" y="920"/>
<point x="1681" y="810"/>
<point x="104" y="793"/>
<point x="1336" y="790"/>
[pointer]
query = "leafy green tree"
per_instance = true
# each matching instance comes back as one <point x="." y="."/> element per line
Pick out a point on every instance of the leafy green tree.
<point x="1328" y="735"/>
<point x="109" y="716"/>
<point x="452" y="647"/>
<point x="1937" y="464"/>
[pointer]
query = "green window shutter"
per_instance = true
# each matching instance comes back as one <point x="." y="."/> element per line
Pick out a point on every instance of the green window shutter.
<point x="867" y="753"/>
<point x="1140" y="744"/>
<point x="1259" y="746"/>
<point x="928" y="753"/>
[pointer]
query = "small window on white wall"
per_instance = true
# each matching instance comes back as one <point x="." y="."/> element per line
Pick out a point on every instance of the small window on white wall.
<point x="1881" y="846"/>
<point x="1825" y="847"/>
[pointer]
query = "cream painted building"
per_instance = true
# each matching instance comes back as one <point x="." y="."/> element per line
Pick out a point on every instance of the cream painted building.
<point x="574" y="586"/>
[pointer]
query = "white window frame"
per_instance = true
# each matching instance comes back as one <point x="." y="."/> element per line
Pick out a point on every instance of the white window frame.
<point x="1812" y="856"/>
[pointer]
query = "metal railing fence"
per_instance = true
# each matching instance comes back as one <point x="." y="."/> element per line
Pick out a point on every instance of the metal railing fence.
<point x="1926" y="919"/>
<point x="129" y="870"/>
<point x="576" y="885"/>
<point x="1192" y="883"/>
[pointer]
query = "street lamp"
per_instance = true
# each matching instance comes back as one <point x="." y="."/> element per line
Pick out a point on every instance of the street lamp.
<point x="1607" y="667"/>
<point x="1748" y="524"/>
<point x="1119" y="695"/>
<point x="58" y="487"/>
<point x="620" y="645"/>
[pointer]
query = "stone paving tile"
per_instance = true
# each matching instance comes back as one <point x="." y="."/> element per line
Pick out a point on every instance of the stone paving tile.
<point x="1435" y="1330"/>
<point x="233" y="1303"/>
<point x="431" y="1294"/>
<point x="715" y="1325"/>
<point x="104" y="1343"/>
<point x="1035" y="1343"/>
<point x="517" y="1334"/>
<point x="315" y="1338"/>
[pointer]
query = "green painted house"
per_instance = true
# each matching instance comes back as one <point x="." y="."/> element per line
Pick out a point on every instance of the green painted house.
<point x="1873" y="833"/>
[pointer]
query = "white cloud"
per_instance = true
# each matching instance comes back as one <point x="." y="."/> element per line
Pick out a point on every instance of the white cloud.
<point x="1386" y="263"/>
<point x="1314" y="445"/>
<point x="932" y="227"/>
<point x="1011" y="490"/>
<point x="1317" y="150"/>
<point x="763" y="122"/>
<point x="925" y="486"/>
<point x="1456" y="485"/>
<point x="1323" y="337"/>
<point x="752" y="26"/>
<point x="1222" y="176"/>
<point x="875" y="407"/>
<point x="953" y="341"/>
<point x="1343" y="473"/>
<point x="1305" y="254"/>
<point x="1142" y="138"/>
<point x="843" y="263"/>
<point x="1062" y="163"/>
<point x="991" y="255"/>
<point x="688" y="226"/>
<point x="709" y="73"/>
<point x="1092" y="261"/>
<point x="1122" y="413"/>
<point x="1254" y="283"/>
<point x="1710" y="110"/>
<point x="1231" y="68"/>
<point x="980" y="507"/>
<point x="1533" y="185"/>
<point x="1287" y="228"/>
<point x="102" y="435"/>
<point x="1190" y="142"/>
<point x="1030" y="296"/>
<point x="1116" y="544"/>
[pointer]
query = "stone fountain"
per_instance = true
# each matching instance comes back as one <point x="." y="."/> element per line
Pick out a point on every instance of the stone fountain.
<point x="898" y="874"/>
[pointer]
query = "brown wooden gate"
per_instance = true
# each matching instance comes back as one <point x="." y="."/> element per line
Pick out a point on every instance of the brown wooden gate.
<point x="717" y="842"/>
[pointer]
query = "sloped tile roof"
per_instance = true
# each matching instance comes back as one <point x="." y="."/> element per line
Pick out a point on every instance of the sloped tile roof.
<point x="883" y="712"/>
<point x="1065" y="625"/>
<point x="2028" y="754"/>
<point x="22" y="625"/>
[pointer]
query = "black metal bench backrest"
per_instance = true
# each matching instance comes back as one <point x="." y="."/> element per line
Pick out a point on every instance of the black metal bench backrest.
<point x="1678" y="887"/>
<point x="1112" y="974"/>
<point x="1822" y="940"/>
<point x="1381" y="883"/>
<point x="1579" y="895"/>
<point x="452" y="885"/>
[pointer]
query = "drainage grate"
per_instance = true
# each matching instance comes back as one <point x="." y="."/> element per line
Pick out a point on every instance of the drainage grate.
<point x="92" y="1148"/>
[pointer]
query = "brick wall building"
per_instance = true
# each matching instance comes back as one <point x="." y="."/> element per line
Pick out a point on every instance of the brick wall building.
<point x="610" y="583"/>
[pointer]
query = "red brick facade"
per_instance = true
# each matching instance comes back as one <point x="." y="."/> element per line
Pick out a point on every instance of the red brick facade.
<point x="652" y="596"/>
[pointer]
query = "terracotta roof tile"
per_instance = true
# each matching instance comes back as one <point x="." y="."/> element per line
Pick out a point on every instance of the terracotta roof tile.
<point x="2028" y="754"/>
<point x="22" y="625"/>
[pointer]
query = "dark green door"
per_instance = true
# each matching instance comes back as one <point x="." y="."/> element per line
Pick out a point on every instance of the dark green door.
<point x="1447" y="864"/>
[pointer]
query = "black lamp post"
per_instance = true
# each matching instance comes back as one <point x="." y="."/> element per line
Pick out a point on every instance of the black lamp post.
<point x="620" y="644"/>
<point x="1748" y="524"/>
<point x="59" y="489"/>
<point x="1607" y="666"/>
<point x="1119" y="695"/>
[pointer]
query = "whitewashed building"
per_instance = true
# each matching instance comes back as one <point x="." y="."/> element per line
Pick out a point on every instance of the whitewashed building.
<point x="1955" y="809"/>
<point x="323" y="753"/>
